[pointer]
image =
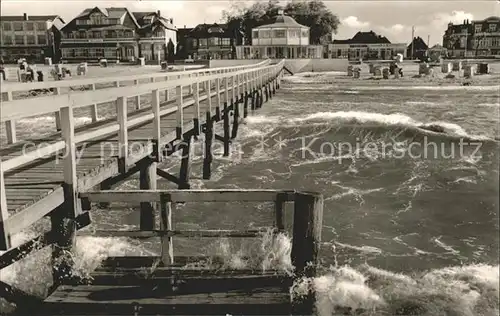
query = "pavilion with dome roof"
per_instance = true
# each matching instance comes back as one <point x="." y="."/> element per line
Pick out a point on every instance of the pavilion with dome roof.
<point x="285" y="38"/>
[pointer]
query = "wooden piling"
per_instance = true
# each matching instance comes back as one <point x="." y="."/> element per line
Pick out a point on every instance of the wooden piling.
<point x="236" y="117"/>
<point x="185" y="164"/>
<point x="167" y="248"/>
<point x="147" y="181"/>
<point x="245" y="105"/>
<point x="307" y="225"/>
<point x="226" y="130"/>
<point x="209" y="135"/>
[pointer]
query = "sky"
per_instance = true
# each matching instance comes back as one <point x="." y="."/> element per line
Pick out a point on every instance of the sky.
<point x="393" y="19"/>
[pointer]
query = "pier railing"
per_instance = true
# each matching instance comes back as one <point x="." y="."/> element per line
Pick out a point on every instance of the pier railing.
<point x="34" y="106"/>
<point x="306" y="232"/>
<point x="230" y="82"/>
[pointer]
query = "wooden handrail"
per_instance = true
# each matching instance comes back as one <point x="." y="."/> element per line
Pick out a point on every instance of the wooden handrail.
<point x="18" y="109"/>
<point x="89" y="81"/>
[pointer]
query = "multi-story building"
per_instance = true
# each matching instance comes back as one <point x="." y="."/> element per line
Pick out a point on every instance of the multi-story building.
<point x="486" y="37"/>
<point x="457" y="39"/>
<point x="365" y="45"/>
<point x="118" y="34"/>
<point x="31" y="37"/>
<point x="209" y="41"/>
<point x="285" y="38"/>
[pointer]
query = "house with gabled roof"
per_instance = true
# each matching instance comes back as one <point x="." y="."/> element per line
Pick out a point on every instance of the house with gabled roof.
<point x="117" y="34"/>
<point x="33" y="37"/>
<point x="366" y="45"/>
<point x="209" y="41"/>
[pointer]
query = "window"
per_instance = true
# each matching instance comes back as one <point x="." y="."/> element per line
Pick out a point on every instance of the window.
<point x="30" y="39"/>
<point x="7" y="26"/>
<point x="41" y="26"/>
<point x="478" y="28"/>
<point x="30" y="26"/>
<point x="279" y="33"/>
<point x="19" y="40"/>
<point x="293" y="33"/>
<point x="213" y="41"/>
<point x="203" y="42"/>
<point x="492" y="27"/>
<point x="42" y="39"/>
<point x="99" y="52"/>
<point x="96" y="34"/>
<point x="305" y="33"/>
<point x="145" y="47"/>
<point x="70" y="35"/>
<point x="226" y="42"/>
<point x="255" y="34"/>
<point x="18" y="26"/>
<point x="159" y="33"/>
<point x="264" y="34"/>
<point x="128" y="34"/>
<point x="96" y="19"/>
<point x="7" y="40"/>
<point x="110" y="34"/>
<point x="82" y="34"/>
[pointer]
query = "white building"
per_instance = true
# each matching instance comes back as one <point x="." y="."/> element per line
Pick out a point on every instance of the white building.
<point x="285" y="38"/>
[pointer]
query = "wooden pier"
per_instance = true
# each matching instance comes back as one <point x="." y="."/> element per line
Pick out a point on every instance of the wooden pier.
<point x="63" y="175"/>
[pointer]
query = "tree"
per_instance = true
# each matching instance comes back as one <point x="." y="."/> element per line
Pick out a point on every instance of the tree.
<point x="311" y="13"/>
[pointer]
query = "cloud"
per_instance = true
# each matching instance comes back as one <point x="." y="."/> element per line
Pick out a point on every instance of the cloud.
<point x="353" y="22"/>
<point x="393" y="29"/>
<point x="457" y="17"/>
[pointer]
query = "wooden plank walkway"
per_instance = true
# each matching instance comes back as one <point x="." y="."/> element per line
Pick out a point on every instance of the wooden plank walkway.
<point x="122" y="286"/>
<point x="65" y="174"/>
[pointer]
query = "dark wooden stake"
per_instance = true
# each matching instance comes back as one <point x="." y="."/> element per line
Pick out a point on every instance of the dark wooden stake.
<point x="147" y="181"/>
<point x="245" y="106"/>
<point x="209" y="135"/>
<point x="236" y="117"/>
<point x="307" y="224"/>
<point x="185" y="164"/>
<point x="254" y="103"/>
<point x="227" y="132"/>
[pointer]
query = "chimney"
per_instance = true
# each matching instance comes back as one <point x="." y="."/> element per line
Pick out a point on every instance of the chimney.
<point x="158" y="13"/>
<point x="25" y="15"/>
<point x="171" y="21"/>
<point x="184" y="25"/>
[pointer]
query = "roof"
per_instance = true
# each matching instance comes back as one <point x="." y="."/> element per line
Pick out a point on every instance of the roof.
<point x="488" y="19"/>
<point x="209" y="30"/>
<point x="30" y="17"/>
<point x="113" y="13"/>
<point x="364" y="38"/>
<point x="418" y="43"/>
<point x="283" y="21"/>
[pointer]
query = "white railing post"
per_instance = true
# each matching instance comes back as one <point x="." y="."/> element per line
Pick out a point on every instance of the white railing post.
<point x="155" y="107"/>
<point x="10" y="126"/>
<point x="93" y="109"/>
<point x="57" y="116"/>
<point x="70" y="176"/>
<point x="209" y="95"/>
<point x="180" y="115"/>
<point x="5" y="242"/>
<point x="122" y="117"/>
<point x="226" y="90"/>
<point x="196" y="97"/>
<point x="167" y="91"/>
<point x="137" y="97"/>
<point x="217" y="90"/>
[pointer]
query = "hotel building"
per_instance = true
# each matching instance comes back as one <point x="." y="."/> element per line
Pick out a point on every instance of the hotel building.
<point x="118" y="34"/>
<point x="32" y="37"/>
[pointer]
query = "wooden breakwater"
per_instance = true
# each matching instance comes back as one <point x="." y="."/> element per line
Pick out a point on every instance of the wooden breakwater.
<point x="46" y="179"/>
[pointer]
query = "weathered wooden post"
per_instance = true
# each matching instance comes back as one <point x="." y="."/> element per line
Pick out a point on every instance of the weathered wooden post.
<point x="245" y="105"/>
<point x="179" y="130"/>
<point x="63" y="224"/>
<point x="121" y="114"/>
<point x="93" y="109"/>
<point x="147" y="181"/>
<point x="307" y="225"/>
<point x="209" y="135"/>
<point x="57" y="115"/>
<point x="5" y="241"/>
<point x="185" y="163"/>
<point x="167" y="247"/>
<point x="137" y="97"/>
<point x="227" y="132"/>
<point x="236" y="117"/>
<point x="218" y="98"/>
<point x="196" y="119"/>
